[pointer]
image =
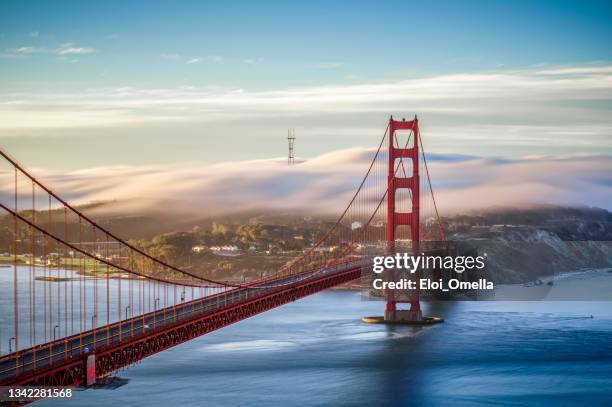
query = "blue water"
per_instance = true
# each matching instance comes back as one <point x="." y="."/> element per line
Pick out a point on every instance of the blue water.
<point x="316" y="352"/>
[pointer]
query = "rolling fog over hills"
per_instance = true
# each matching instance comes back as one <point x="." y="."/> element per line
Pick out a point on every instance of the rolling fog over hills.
<point x="569" y="223"/>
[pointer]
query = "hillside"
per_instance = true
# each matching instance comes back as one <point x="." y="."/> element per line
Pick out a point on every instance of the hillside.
<point x="523" y="245"/>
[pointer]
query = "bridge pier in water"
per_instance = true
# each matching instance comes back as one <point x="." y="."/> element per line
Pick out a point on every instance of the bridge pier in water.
<point x="90" y="372"/>
<point x="413" y="315"/>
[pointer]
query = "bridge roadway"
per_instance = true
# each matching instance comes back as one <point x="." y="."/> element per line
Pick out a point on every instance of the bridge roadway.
<point x="20" y="364"/>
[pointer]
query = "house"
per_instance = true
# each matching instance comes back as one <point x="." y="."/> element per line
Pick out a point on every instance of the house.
<point x="226" y="250"/>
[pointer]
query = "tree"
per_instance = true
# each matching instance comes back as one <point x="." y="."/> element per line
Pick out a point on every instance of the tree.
<point x="219" y="229"/>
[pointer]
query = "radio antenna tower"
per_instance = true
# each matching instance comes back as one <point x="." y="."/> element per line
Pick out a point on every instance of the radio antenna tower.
<point x="291" y="141"/>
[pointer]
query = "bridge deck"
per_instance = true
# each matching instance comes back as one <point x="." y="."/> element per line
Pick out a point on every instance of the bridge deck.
<point x="62" y="362"/>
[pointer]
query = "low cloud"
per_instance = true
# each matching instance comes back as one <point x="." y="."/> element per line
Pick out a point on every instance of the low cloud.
<point x="476" y="183"/>
<point x="325" y="184"/>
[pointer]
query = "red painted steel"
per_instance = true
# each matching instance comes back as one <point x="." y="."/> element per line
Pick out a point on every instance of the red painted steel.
<point x="73" y="371"/>
<point x="394" y="218"/>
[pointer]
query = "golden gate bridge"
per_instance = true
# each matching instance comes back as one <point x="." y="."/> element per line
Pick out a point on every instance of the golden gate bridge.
<point x="80" y="302"/>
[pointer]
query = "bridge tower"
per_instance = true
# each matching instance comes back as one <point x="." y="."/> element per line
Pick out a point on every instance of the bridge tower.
<point x="410" y="219"/>
<point x="400" y="178"/>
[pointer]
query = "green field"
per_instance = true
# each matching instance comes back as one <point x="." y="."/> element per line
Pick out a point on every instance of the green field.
<point x="87" y="266"/>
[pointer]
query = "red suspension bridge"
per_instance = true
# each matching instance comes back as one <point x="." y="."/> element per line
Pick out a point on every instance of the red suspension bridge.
<point x="78" y="302"/>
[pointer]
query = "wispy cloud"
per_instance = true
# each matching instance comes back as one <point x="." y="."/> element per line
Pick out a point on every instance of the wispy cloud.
<point x="28" y="50"/>
<point x="192" y="60"/>
<point x="577" y="70"/>
<point x="67" y="48"/>
<point x="253" y="61"/>
<point x="502" y="94"/>
<point x="70" y="49"/>
<point x="215" y="58"/>
<point x="538" y="109"/>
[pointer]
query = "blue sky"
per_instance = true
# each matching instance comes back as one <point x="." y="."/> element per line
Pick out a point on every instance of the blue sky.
<point x="160" y="82"/>
<point x="271" y="44"/>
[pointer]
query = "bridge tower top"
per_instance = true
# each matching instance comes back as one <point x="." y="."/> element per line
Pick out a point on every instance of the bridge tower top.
<point x="395" y="182"/>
